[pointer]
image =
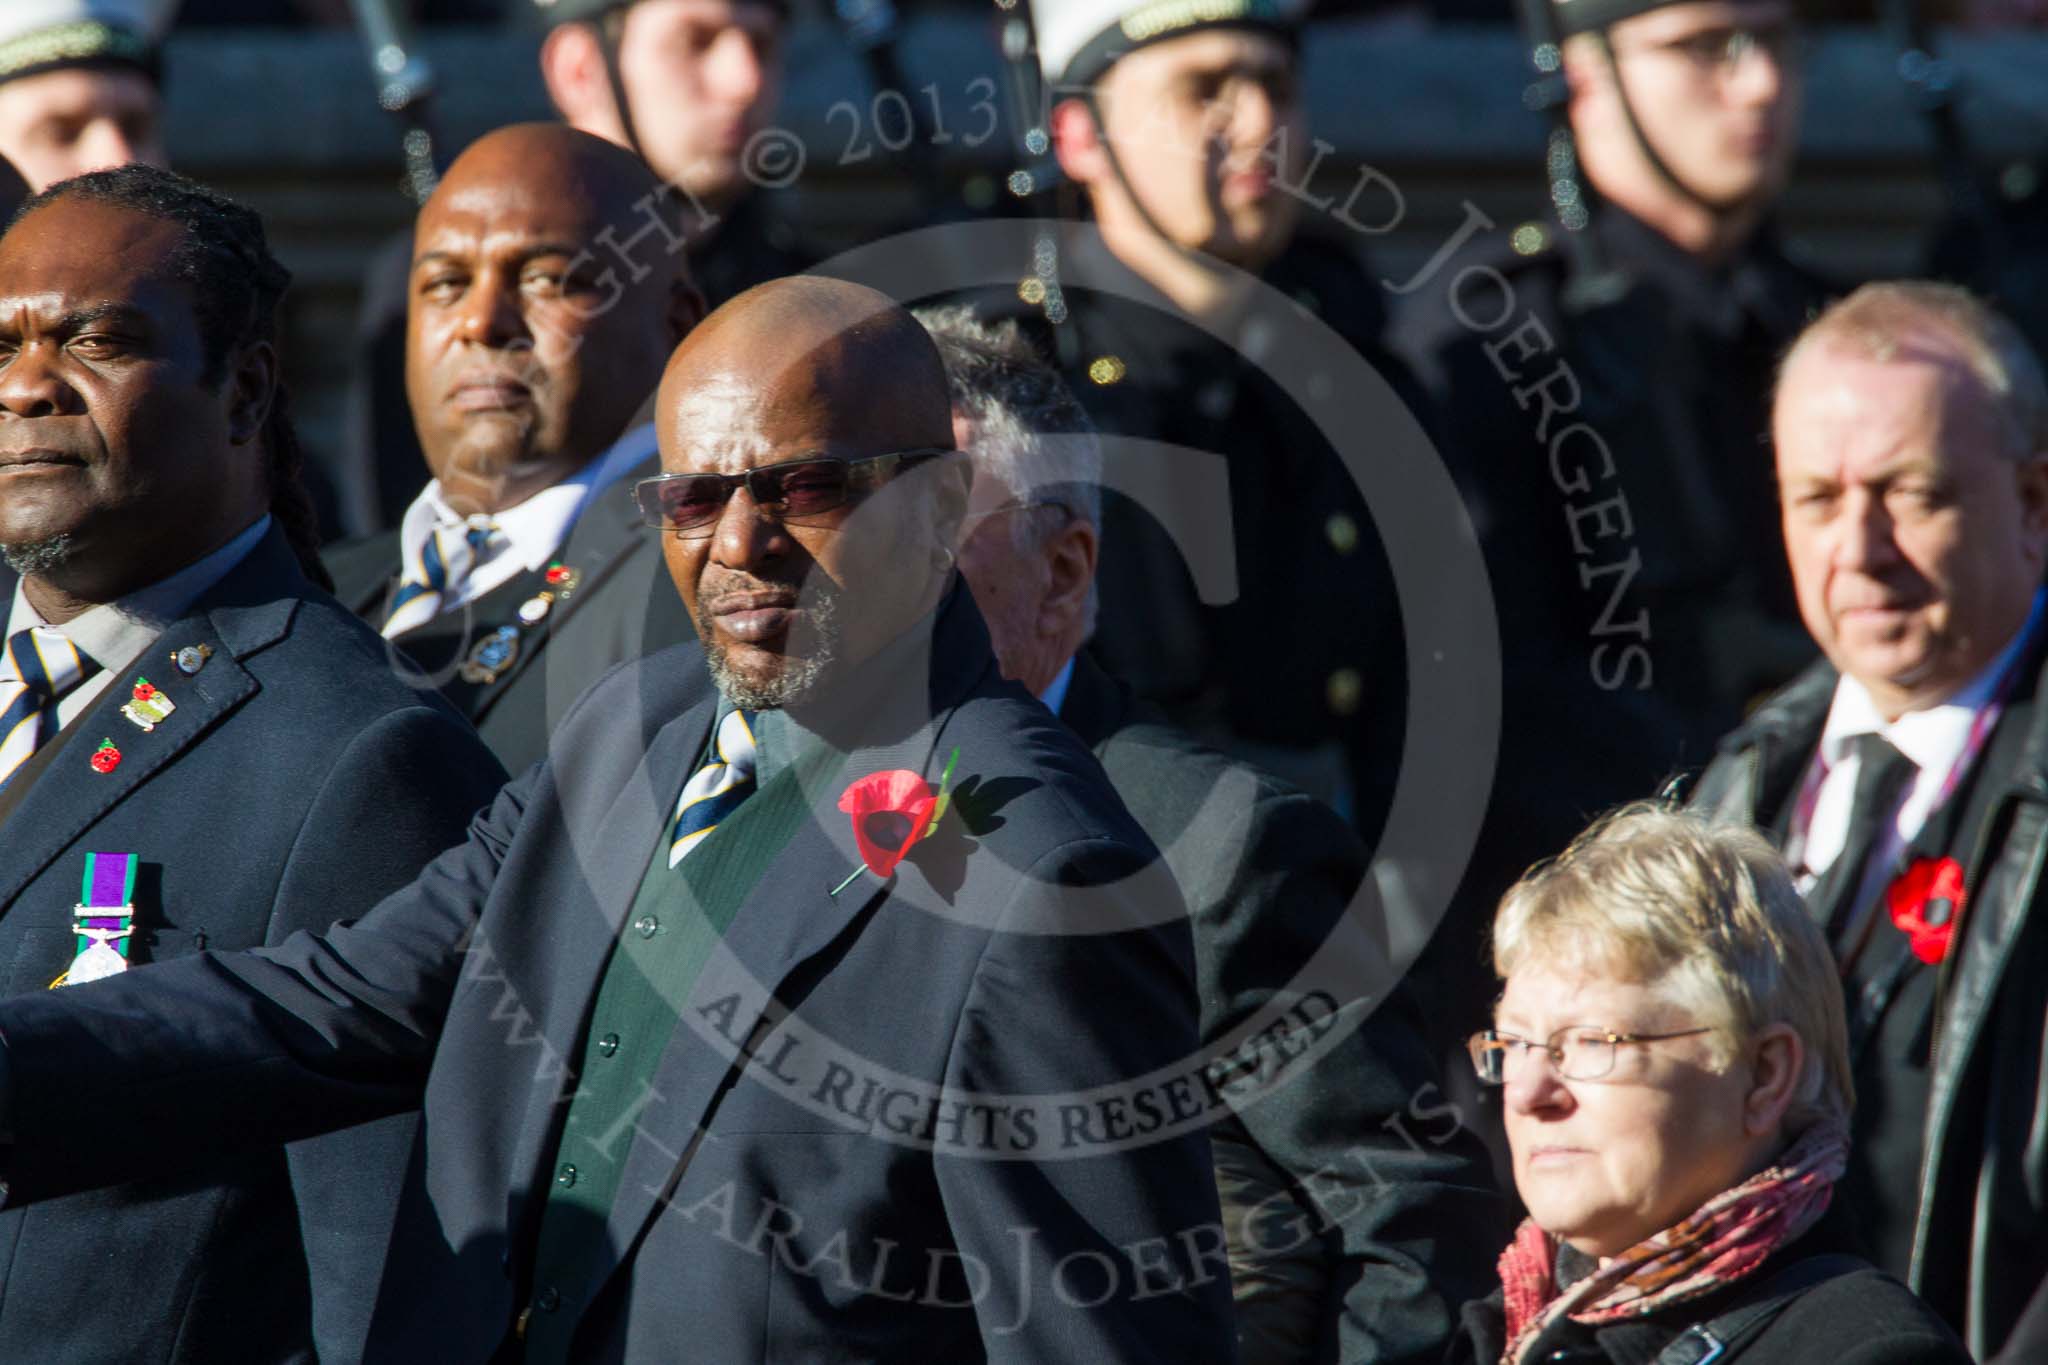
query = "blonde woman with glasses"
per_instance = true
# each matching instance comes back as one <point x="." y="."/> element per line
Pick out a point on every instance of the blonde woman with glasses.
<point x="1671" y="1054"/>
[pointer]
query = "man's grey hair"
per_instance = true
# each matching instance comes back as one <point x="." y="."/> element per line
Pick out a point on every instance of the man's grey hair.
<point x="1884" y="322"/>
<point x="1029" y="431"/>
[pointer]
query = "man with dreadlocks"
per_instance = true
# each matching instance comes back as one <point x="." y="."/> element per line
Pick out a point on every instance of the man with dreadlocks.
<point x="13" y="189"/>
<point x="199" y="748"/>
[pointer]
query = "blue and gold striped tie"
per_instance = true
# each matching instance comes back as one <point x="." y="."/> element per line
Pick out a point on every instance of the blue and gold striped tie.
<point x="716" y="789"/>
<point x="41" y="666"/>
<point x="446" y="559"/>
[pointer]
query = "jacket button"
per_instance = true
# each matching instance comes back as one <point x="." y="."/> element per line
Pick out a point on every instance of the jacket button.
<point x="1343" y="533"/>
<point x="608" y="1045"/>
<point x="566" y="1176"/>
<point x="648" y="926"/>
<point x="1345" y="690"/>
<point x="548" y="1300"/>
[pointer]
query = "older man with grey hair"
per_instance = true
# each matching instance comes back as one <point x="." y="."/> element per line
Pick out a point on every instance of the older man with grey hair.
<point x="1356" y="1212"/>
<point x="1906" y="777"/>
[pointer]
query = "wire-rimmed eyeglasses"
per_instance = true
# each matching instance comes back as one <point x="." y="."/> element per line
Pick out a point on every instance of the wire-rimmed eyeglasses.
<point x="1580" y="1052"/>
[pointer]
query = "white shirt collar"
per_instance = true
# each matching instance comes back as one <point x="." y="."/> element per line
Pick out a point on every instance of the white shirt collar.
<point x="1055" y="694"/>
<point x="1933" y="737"/>
<point x="115" y="632"/>
<point x="536" y="528"/>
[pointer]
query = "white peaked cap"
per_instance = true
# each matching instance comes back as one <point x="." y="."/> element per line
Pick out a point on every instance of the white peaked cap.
<point x="1078" y="39"/>
<point x="38" y="35"/>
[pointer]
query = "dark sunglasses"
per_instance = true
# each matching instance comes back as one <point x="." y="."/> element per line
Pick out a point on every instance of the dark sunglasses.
<point x="798" y="491"/>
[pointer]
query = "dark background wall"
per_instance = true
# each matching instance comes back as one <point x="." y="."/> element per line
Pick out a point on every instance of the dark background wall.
<point x="286" y="120"/>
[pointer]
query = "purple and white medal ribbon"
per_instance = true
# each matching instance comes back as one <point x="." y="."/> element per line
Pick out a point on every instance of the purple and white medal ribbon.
<point x="104" y="919"/>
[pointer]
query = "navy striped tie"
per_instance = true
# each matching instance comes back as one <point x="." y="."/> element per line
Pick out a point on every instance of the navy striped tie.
<point x="716" y="789"/>
<point x="40" y="668"/>
<point x="445" y="562"/>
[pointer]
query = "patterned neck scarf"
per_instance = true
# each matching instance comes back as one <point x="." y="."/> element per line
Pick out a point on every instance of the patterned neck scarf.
<point x="1723" y="1241"/>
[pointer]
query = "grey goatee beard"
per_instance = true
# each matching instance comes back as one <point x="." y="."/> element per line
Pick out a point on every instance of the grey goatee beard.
<point x="37" y="557"/>
<point x="798" y="676"/>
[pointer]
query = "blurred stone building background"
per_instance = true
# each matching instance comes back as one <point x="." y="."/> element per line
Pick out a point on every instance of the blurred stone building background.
<point x="273" y="101"/>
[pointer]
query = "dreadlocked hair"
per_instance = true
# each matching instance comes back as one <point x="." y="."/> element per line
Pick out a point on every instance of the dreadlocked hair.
<point x="236" y="287"/>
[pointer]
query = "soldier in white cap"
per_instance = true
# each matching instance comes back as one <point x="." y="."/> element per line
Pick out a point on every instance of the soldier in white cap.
<point x="80" y="85"/>
<point x="1182" y="125"/>
<point x="686" y="84"/>
<point x="1139" y="93"/>
<point x="1631" y="566"/>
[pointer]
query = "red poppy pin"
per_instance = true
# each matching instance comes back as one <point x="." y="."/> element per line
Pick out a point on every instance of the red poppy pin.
<point x="106" y="758"/>
<point x="1926" y="901"/>
<point x="891" y="811"/>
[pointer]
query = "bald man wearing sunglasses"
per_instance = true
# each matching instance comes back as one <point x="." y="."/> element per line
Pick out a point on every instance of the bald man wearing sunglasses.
<point x="830" y="1006"/>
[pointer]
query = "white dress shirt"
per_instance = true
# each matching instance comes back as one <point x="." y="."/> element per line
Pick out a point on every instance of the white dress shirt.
<point x="1935" y="738"/>
<point x="530" y="533"/>
<point x="115" y="634"/>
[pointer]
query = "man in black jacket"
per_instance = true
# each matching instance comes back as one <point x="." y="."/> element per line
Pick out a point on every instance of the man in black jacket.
<point x="1906" y="779"/>
<point x="720" y="1059"/>
<point x="546" y="292"/>
<point x="1359" y="1216"/>
<point x="198" y="749"/>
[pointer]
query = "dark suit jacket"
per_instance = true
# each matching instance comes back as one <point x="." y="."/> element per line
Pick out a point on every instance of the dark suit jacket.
<point x="1360" y="1214"/>
<point x="1948" y="1170"/>
<point x="624" y="606"/>
<point x="1030" y="957"/>
<point x="296" y="783"/>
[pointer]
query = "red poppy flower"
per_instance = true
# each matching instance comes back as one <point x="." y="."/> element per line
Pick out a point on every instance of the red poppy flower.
<point x="891" y="811"/>
<point x="106" y="758"/>
<point x="144" y="690"/>
<point x="1926" y="901"/>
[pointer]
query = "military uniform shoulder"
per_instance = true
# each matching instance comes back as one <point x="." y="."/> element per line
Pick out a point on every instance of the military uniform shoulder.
<point x="1316" y="271"/>
<point x="1442" y="297"/>
<point x="1530" y="246"/>
<point x="1332" y="281"/>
